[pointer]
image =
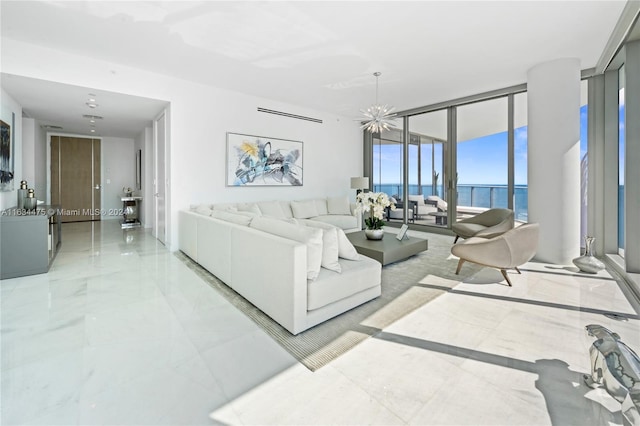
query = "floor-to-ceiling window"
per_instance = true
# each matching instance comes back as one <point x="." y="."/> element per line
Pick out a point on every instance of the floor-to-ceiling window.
<point x="621" y="160"/>
<point x="428" y="135"/>
<point x="584" y="158"/>
<point x="482" y="155"/>
<point x="388" y="167"/>
<point x="520" y="192"/>
<point x="470" y="153"/>
<point x="387" y="163"/>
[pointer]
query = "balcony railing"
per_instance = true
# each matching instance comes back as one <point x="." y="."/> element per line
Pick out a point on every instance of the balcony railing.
<point x="487" y="196"/>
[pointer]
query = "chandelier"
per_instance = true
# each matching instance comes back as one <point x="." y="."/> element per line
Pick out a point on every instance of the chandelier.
<point x="378" y="117"/>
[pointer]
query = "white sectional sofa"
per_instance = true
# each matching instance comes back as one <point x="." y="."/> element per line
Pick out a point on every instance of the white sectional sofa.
<point x="279" y="262"/>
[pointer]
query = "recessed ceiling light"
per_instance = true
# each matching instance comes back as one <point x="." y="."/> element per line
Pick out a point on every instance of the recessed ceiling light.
<point x="92" y="104"/>
<point x="93" y="130"/>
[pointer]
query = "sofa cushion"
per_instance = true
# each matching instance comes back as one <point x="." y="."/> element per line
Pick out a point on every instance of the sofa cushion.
<point x="203" y="209"/>
<point x="311" y="237"/>
<point x="225" y="206"/>
<point x="321" y="206"/>
<point x="346" y="250"/>
<point x="271" y="208"/>
<point x="286" y="208"/>
<point x="248" y="207"/>
<point x="341" y="221"/>
<point x="331" y="287"/>
<point x="240" y="218"/>
<point x="329" y="244"/>
<point x="304" y="209"/>
<point x="338" y="205"/>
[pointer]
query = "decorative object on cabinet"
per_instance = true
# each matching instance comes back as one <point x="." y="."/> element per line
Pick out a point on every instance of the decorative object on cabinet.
<point x="31" y="201"/>
<point x="261" y="161"/>
<point x="22" y="193"/>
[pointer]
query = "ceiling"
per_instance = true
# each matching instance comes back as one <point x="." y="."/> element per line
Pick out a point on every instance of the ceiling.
<point x="317" y="54"/>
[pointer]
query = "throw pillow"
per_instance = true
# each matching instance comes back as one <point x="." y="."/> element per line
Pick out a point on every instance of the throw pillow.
<point x="226" y="206"/>
<point x="240" y="218"/>
<point x="304" y="209"/>
<point x="203" y="209"/>
<point x="312" y="238"/>
<point x="271" y="208"/>
<point x="338" y="205"/>
<point x="321" y="206"/>
<point x="249" y="207"/>
<point x="329" y="245"/>
<point x="346" y="250"/>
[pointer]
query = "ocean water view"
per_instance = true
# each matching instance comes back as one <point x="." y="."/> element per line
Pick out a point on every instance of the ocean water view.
<point x="487" y="196"/>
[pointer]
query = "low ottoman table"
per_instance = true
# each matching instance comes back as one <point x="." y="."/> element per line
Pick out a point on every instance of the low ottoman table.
<point x="388" y="249"/>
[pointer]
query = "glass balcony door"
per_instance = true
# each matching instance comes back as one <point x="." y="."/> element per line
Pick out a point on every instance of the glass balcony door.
<point x="482" y="156"/>
<point x="426" y="161"/>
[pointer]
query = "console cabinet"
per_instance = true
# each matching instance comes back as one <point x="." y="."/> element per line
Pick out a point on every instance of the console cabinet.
<point x="29" y="240"/>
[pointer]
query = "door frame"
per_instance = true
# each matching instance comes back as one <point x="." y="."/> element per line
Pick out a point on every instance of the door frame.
<point x="71" y="135"/>
<point x="166" y="168"/>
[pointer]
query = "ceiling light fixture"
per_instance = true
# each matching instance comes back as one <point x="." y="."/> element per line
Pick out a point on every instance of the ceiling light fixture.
<point x="91" y="102"/>
<point x="378" y="117"/>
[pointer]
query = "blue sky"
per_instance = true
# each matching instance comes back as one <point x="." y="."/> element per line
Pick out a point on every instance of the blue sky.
<point x="480" y="161"/>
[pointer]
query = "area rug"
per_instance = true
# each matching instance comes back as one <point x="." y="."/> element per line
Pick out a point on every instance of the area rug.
<point x="403" y="291"/>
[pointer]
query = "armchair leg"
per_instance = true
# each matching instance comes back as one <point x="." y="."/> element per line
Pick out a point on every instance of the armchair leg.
<point x="460" y="262"/>
<point x="518" y="270"/>
<point x="456" y="240"/>
<point x="504" y="274"/>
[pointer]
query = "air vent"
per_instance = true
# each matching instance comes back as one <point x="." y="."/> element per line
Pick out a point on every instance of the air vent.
<point x="95" y="117"/>
<point x="286" y="114"/>
<point x="51" y="127"/>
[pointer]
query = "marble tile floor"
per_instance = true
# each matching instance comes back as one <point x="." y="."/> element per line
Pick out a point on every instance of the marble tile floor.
<point x="121" y="332"/>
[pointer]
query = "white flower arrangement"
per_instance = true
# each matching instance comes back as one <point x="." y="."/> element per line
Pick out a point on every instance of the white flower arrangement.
<point x="373" y="203"/>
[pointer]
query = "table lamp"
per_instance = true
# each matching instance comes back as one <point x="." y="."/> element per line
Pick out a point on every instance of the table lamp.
<point x="360" y="184"/>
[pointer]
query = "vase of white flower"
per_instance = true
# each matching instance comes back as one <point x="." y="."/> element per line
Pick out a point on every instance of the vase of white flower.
<point x="372" y="205"/>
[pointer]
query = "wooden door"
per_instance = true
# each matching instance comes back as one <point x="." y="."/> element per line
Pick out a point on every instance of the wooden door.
<point x="75" y="177"/>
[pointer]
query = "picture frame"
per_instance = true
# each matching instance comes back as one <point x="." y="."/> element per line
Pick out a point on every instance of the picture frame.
<point x="7" y="154"/>
<point x="263" y="161"/>
<point x="402" y="234"/>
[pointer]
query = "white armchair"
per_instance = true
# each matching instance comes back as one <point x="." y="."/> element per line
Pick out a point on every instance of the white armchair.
<point x="488" y="224"/>
<point x="506" y="251"/>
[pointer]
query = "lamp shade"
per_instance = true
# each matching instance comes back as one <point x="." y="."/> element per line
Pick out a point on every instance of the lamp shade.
<point x="359" y="183"/>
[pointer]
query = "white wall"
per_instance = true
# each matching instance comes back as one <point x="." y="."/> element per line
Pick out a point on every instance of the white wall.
<point x="8" y="107"/>
<point x="118" y="162"/>
<point x="40" y="161"/>
<point x="29" y="155"/>
<point x="34" y="157"/>
<point x="200" y="117"/>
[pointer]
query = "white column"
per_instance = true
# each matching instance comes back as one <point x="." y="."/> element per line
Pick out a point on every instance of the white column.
<point x="554" y="158"/>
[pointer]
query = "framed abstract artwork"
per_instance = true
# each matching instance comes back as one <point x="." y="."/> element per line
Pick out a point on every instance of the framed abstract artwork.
<point x="262" y="161"/>
<point x="6" y="155"/>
